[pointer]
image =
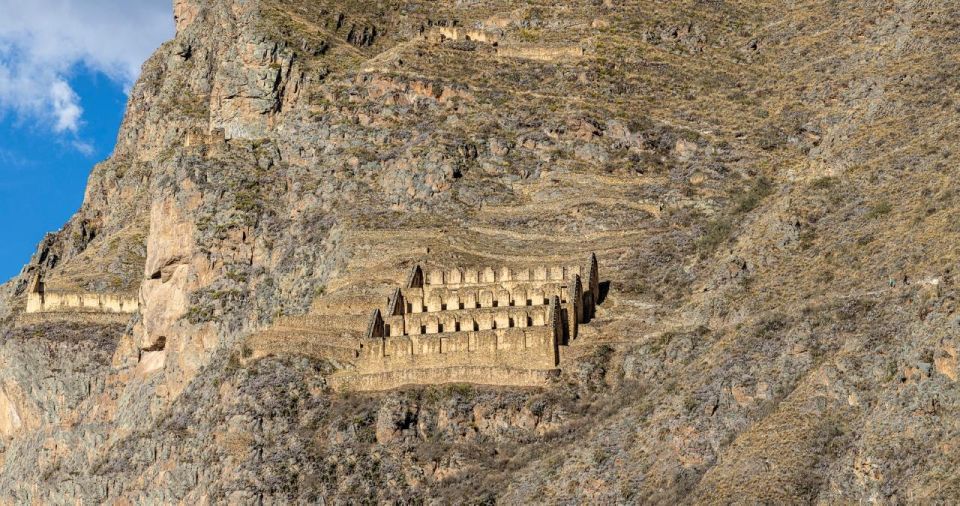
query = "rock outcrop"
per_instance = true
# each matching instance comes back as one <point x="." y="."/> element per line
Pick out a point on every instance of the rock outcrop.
<point x="769" y="187"/>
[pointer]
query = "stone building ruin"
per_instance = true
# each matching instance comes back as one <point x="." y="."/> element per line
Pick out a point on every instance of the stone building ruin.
<point x="40" y="300"/>
<point x="487" y="325"/>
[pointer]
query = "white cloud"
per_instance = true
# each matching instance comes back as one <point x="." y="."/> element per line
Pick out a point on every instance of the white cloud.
<point x="42" y="42"/>
<point x="83" y="147"/>
<point x="66" y="106"/>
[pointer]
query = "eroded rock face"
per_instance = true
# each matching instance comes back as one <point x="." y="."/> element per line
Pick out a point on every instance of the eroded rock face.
<point x="185" y="13"/>
<point x="53" y="380"/>
<point x="776" y="328"/>
<point x="11" y="421"/>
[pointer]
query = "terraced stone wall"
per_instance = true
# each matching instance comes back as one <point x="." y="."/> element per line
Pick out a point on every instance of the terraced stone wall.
<point x="490" y="325"/>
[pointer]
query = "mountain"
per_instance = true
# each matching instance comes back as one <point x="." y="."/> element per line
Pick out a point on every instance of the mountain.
<point x="770" y="189"/>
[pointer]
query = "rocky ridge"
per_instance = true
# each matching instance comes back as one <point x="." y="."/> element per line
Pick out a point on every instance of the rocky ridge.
<point x="768" y="184"/>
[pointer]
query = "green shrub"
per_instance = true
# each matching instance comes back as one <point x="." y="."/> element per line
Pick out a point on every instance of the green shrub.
<point x="718" y="230"/>
<point x="528" y="35"/>
<point x="824" y="183"/>
<point x="879" y="209"/>
<point x="749" y="201"/>
<point x="714" y="234"/>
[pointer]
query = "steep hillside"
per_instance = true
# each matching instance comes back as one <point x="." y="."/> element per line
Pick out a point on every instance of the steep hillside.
<point x="769" y="188"/>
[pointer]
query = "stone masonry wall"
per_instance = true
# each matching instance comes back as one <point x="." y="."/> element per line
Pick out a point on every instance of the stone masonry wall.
<point x="41" y="301"/>
<point x="487" y="325"/>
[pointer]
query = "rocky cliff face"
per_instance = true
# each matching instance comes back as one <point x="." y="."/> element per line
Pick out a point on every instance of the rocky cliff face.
<point x="769" y="187"/>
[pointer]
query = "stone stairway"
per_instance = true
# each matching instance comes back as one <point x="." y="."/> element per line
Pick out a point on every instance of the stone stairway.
<point x="332" y="329"/>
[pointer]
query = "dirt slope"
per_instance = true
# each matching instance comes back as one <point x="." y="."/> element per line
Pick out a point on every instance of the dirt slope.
<point x="769" y="187"/>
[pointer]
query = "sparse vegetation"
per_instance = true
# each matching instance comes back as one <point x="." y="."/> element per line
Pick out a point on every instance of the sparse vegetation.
<point x="825" y="375"/>
<point x="879" y="210"/>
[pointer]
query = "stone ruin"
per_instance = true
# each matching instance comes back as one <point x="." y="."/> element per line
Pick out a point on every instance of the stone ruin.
<point x="542" y="53"/>
<point x="40" y="300"/>
<point x="440" y="34"/>
<point x="494" y="326"/>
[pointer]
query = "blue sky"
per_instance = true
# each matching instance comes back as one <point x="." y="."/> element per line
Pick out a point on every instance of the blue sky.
<point x="65" y="69"/>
